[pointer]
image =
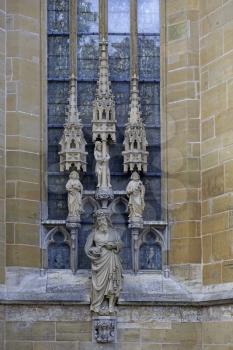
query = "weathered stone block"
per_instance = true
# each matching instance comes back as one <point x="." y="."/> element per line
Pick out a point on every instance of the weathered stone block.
<point x="213" y="101"/>
<point x="178" y="31"/>
<point x="210" y="160"/>
<point x="22" y="255"/>
<point x="213" y="182"/>
<point x="207" y="249"/>
<point x="28" y="190"/>
<point x="212" y="274"/>
<point x="222" y="203"/>
<point x="16" y="345"/>
<point x="27" y="234"/>
<point x="23" y="159"/>
<point x="208" y="6"/>
<point x="227" y="271"/>
<point x="207" y="129"/>
<point x="23" y="45"/>
<point x="185" y="250"/>
<point x="24" y="7"/>
<point x="129" y="335"/>
<point x="22" y="210"/>
<point x="215" y="223"/>
<point x="23" y="124"/>
<point x="79" y="331"/>
<point x="228" y="176"/>
<point x="228" y="34"/>
<point x="35" y="331"/>
<point x="218" y="333"/>
<point x="211" y="22"/>
<point x="222" y="245"/>
<point x="223" y="122"/>
<point x="186" y="211"/>
<point x="10" y="233"/>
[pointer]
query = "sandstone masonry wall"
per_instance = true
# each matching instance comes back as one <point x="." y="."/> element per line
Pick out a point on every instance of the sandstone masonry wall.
<point x="216" y="72"/>
<point x="23" y="158"/>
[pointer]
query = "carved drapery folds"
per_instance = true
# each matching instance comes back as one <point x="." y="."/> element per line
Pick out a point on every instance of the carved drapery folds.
<point x="135" y="142"/>
<point x="72" y="154"/>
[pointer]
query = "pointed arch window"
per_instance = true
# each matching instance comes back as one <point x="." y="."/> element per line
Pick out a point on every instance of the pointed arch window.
<point x="132" y="28"/>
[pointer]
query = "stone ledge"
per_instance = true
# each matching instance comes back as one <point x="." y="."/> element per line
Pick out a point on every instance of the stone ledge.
<point x="28" y="286"/>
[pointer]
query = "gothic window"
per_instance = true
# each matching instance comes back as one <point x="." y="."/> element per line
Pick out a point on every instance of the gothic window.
<point x="132" y="29"/>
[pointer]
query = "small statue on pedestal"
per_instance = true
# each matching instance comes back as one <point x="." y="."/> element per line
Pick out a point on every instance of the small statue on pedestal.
<point x="102" y="247"/>
<point x="136" y="193"/>
<point x="102" y="166"/>
<point x="75" y="192"/>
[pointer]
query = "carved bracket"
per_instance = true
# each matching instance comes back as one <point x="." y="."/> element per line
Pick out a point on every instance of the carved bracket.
<point x="104" y="330"/>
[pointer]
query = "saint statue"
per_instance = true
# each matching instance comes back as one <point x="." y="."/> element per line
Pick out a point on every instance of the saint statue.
<point x="102" y="247"/>
<point x="75" y="192"/>
<point x="102" y="164"/>
<point x="136" y="193"/>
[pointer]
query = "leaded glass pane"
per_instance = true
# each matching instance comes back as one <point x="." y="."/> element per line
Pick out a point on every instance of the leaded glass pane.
<point x="58" y="16"/>
<point x="118" y="16"/>
<point x="58" y="57"/>
<point x="57" y="102"/>
<point x="149" y="57"/>
<point x="148" y="16"/>
<point x="119" y="57"/>
<point x="88" y="56"/>
<point x="88" y="16"/>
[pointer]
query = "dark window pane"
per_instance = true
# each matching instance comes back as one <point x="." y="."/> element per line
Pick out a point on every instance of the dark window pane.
<point x="118" y="16"/>
<point x="148" y="16"/>
<point x="58" y="16"/>
<point x="58" y="57"/>
<point x="88" y="16"/>
<point x="149" y="57"/>
<point x="88" y="56"/>
<point x="57" y="102"/>
<point x="119" y="57"/>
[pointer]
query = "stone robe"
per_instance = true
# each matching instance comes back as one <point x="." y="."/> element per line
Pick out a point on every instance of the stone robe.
<point x="105" y="265"/>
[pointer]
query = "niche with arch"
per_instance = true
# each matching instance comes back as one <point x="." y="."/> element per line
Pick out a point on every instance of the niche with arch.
<point x="57" y="252"/>
<point x="150" y="250"/>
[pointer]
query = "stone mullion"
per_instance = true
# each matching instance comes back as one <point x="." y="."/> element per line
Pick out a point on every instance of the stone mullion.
<point x="73" y="37"/>
<point x="133" y="37"/>
<point x="103" y="19"/>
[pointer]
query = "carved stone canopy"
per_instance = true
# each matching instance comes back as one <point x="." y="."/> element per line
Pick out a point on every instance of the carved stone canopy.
<point x="72" y="154"/>
<point x="135" y="143"/>
<point x="104" y="122"/>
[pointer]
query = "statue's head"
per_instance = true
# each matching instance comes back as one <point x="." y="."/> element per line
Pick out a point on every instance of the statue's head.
<point x="135" y="176"/>
<point x="74" y="175"/>
<point x="98" y="145"/>
<point x="102" y="219"/>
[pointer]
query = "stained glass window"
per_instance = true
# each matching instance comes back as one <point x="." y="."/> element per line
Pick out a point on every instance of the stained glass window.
<point x="120" y="64"/>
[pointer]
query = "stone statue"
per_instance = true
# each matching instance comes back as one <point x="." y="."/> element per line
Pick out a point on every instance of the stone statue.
<point x="75" y="192"/>
<point x="102" y="247"/>
<point x="136" y="193"/>
<point x="102" y="167"/>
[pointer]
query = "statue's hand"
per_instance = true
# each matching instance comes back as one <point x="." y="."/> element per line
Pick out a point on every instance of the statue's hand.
<point x="111" y="245"/>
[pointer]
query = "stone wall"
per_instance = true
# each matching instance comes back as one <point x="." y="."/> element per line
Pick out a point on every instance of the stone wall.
<point x="23" y="133"/>
<point x="183" y="135"/>
<point x="2" y="137"/>
<point x="216" y="73"/>
<point x="139" y="328"/>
